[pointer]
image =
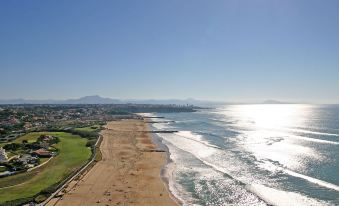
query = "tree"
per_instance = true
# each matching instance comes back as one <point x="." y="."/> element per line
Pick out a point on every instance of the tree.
<point x="12" y="146"/>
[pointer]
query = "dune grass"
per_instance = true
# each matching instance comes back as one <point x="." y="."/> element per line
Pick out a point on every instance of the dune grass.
<point x="73" y="153"/>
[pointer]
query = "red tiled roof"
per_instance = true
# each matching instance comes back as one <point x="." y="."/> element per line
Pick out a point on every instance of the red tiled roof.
<point x="42" y="152"/>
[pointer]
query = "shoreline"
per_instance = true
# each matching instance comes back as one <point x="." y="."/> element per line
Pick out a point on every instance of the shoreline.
<point x="164" y="172"/>
<point x="130" y="173"/>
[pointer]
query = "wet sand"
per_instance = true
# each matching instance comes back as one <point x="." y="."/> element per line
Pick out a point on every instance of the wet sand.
<point x="128" y="174"/>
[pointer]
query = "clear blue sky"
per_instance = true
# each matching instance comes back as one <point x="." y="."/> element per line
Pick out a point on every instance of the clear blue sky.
<point x="231" y="50"/>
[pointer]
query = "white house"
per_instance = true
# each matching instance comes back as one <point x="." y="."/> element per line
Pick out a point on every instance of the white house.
<point x="3" y="155"/>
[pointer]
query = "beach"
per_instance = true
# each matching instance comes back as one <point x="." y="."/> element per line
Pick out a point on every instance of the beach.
<point x="128" y="174"/>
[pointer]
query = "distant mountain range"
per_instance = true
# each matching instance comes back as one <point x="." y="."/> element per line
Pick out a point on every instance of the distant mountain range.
<point x="95" y="99"/>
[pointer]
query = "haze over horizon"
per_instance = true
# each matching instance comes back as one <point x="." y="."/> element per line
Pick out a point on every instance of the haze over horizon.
<point x="97" y="99"/>
<point x="232" y="51"/>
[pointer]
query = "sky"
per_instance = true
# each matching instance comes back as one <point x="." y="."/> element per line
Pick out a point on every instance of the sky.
<point x="225" y="50"/>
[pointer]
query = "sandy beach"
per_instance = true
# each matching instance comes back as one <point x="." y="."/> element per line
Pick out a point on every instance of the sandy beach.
<point x="128" y="174"/>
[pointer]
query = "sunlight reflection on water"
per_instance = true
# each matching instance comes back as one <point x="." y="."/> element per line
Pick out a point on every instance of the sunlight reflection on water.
<point x="267" y="132"/>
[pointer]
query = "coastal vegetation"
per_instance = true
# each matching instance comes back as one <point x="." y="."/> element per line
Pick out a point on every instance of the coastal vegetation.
<point x="91" y="128"/>
<point x="25" y="187"/>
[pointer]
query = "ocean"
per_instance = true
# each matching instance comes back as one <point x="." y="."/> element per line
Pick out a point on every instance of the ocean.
<point x="269" y="154"/>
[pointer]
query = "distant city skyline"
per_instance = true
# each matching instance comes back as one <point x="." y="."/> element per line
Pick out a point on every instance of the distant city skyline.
<point x="223" y="50"/>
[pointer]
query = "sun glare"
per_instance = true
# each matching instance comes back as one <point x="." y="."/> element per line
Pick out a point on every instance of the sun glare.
<point x="276" y="116"/>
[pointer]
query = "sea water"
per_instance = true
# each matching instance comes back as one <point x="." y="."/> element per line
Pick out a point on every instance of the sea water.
<point x="286" y="154"/>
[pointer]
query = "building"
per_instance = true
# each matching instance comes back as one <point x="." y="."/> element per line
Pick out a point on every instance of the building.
<point x="42" y="153"/>
<point x="13" y="121"/>
<point x="27" y="159"/>
<point x="46" y="138"/>
<point x="3" y="155"/>
<point x="27" y="125"/>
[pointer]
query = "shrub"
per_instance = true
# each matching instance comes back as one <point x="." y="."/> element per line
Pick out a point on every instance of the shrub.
<point x="12" y="146"/>
<point x="90" y="143"/>
<point x="17" y="202"/>
<point x="40" y="198"/>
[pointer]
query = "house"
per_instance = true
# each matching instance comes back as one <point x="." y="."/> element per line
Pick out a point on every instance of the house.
<point x="3" y="155"/>
<point x="42" y="153"/>
<point x="27" y="125"/>
<point x="46" y="138"/>
<point x="28" y="159"/>
<point x="13" y="121"/>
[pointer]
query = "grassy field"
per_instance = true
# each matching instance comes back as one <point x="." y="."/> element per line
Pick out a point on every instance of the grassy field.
<point x="2" y="169"/>
<point x="73" y="154"/>
<point x="30" y="137"/>
<point x="89" y="129"/>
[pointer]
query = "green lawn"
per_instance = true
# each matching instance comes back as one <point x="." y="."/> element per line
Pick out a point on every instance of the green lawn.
<point x="43" y="160"/>
<point x="89" y="129"/>
<point x="73" y="154"/>
<point x="3" y="169"/>
<point x="11" y="154"/>
<point x="30" y="137"/>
